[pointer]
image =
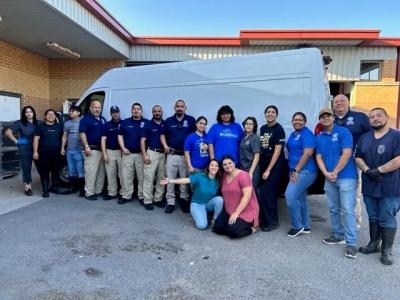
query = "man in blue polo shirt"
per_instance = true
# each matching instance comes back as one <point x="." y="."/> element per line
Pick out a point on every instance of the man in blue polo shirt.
<point x="378" y="156"/>
<point x="334" y="158"/>
<point x="177" y="128"/>
<point x="132" y="161"/>
<point x="358" y="124"/>
<point x="90" y="130"/>
<point x="112" y="153"/>
<point x="154" y="159"/>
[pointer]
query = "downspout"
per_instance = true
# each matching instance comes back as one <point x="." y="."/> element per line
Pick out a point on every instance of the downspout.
<point x="398" y="80"/>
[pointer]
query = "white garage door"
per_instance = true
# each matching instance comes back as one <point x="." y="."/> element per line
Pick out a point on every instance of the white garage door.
<point x="10" y="107"/>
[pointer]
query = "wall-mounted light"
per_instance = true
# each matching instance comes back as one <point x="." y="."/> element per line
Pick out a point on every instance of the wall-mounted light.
<point x="62" y="50"/>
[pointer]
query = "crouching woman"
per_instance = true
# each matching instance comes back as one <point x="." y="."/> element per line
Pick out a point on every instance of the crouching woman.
<point x="205" y="187"/>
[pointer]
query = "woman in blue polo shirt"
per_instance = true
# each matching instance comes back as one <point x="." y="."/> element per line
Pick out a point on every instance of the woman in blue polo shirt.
<point x="196" y="147"/>
<point x="205" y="188"/>
<point x="303" y="171"/>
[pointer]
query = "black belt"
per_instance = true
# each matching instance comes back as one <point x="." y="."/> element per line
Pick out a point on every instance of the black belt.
<point x="92" y="147"/>
<point x="156" y="150"/>
<point x="177" y="152"/>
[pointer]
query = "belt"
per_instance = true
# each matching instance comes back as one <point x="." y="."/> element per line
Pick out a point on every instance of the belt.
<point x="93" y="147"/>
<point x="177" y="152"/>
<point x="156" y="150"/>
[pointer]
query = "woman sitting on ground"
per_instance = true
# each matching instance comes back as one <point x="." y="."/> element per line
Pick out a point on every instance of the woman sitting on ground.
<point x="240" y="216"/>
<point x="205" y="187"/>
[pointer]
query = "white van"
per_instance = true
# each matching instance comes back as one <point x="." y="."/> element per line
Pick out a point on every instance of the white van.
<point x="293" y="80"/>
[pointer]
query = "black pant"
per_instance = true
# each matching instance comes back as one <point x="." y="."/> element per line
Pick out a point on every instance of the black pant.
<point x="268" y="198"/>
<point x="239" y="229"/>
<point x="25" y="156"/>
<point x="49" y="162"/>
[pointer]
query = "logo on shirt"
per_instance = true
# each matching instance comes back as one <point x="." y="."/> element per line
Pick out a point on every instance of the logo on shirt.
<point x="350" y="121"/>
<point x="297" y="137"/>
<point x="335" y="137"/>
<point x="141" y="124"/>
<point x="227" y="133"/>
<point x="185" y="123"/>
<point x="381" y="149"/>
<point x="265" y="140"/>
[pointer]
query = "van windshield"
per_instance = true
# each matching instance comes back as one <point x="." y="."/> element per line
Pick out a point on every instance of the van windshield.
<point x="85" y="104"/>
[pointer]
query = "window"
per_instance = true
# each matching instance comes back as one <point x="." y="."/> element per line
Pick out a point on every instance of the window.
<point x="370" y="70"/>
<point x="85" y="104"/>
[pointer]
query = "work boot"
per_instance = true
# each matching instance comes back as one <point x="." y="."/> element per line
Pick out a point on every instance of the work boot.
<point x="81" y="186"/>
<point x="45" y="188"/>
<point x="375" y="239"/>
<point x="388" y="235"/>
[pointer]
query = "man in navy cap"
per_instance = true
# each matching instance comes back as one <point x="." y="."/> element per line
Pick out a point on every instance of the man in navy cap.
<point x="177" y="128"/>
<point x="112" y="152"/>
<point x="90" y="130"/>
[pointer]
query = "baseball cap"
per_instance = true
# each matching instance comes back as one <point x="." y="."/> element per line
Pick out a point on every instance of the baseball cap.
<point x="326" y="110"/>
<point x="114" y="109"/>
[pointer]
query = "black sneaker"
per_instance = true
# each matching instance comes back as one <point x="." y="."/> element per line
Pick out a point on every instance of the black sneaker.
<point x="334" y="241"/>
<point x="123" y="200"/>
<point x="350" y="252"/>
<point x="306" y="231"/>
<point x="141" y="201"/>
<point x="108" y="197"/>
<point x="169" y="208"/>
<point x="28" y="192"/>
<point x="148" y="206"/>
<point x="269" y="228"/>
<point x="160" y="204"/>
<point x="91" y="198"/>
<point x="294" y="232"/>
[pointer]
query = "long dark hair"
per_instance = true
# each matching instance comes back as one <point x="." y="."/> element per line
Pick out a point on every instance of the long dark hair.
<point x="218" y="176"/>
<point x="24" y="120"/>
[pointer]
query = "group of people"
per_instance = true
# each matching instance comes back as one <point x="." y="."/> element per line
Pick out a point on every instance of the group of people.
<point x="230" y="177"/>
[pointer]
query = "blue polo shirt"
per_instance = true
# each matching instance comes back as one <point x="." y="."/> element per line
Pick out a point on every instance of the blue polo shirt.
<point x="375" y="153"/>
<point x="131" y="130"/>
<point x="330" y="146"/>
<point x="93" y="128"/>
<point x="110" y="130"/>
<point x="356" y="122"/>
<point x="176" y="131"/>
<point x="152" y="132"/>
<point x="226" y="140"/>
<point x="296" y="143"/>
<point x="198" y="149"/>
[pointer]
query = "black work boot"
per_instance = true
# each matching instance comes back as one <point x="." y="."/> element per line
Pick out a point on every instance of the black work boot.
<point x="375" y="239"/>
<point x="81" y="186"/>
<point x="388" y="235"/>
<point x="45" y="189"/>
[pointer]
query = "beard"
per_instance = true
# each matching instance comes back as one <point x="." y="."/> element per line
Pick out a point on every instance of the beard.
<point x="378" y="126"/>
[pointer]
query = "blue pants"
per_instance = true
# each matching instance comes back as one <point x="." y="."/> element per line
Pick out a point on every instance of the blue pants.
<point x="75" y="163"/>
<point x="296" y="199"/>
<point x="25" y="156"/>
<point x="383" y="210"/>
<point x="199" y="211"/>
<point x="341" y="197"/>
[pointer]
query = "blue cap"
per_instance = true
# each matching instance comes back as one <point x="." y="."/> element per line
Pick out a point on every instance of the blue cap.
<point x="114" y="109"/>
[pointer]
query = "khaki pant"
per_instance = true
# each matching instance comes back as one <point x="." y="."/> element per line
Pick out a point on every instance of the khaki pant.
<point x="176" y="164"/>
<point x="94" y="173"/>
<point x="132" y="163"/>
<point x="156" y="169"/>
<point x="358" y="209"/>
<point x="113" y="170"/>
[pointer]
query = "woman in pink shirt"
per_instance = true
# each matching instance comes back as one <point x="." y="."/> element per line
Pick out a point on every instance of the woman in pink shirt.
<point x="240" y="215"/>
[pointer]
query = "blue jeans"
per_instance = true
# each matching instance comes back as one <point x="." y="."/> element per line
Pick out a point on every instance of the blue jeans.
<point x="75" y="163"/>
<point x="199" y="211"/>
<point x="383" y="210"/>
<point x="341" y="197"/>
<point x="296" y="199"/>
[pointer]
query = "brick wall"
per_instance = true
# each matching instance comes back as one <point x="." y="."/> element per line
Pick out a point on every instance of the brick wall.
<point x="25" y="73"/>
<point x="69" y="78"/>
<point x="367" y="95"/>
<point x="388" y="71"/>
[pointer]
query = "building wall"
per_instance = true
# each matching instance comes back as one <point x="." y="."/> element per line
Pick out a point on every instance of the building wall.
<point x="25" y="73"/>
<point x="69" y="78"/>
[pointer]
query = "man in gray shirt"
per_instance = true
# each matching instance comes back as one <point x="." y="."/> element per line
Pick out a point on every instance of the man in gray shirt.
<point x="74" y="155"/>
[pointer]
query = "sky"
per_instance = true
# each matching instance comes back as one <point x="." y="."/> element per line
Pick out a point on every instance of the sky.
<point x="227" y="18"/>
